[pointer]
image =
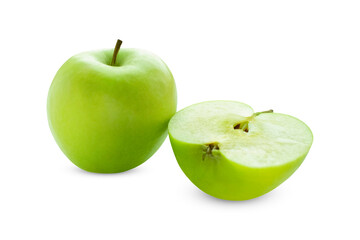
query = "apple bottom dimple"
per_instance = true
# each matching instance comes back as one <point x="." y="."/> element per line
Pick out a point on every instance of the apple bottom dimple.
<point x="208" y="150"/>
<point x="222" y="178"/>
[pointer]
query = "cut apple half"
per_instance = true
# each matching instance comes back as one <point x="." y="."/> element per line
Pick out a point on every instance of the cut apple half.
<point x="232" y="153"/>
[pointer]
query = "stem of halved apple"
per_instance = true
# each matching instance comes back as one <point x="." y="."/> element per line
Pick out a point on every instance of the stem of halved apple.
<point x="244" y="126"/>
<point x="258" y="113"/>
<point x="116" y="51"/>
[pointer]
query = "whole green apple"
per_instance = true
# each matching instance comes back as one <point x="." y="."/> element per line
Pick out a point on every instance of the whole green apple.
<point x="108" y="110"/>
<point x="232" y="153"/>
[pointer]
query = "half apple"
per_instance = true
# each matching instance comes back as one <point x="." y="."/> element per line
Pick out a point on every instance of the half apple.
<point x="232" y="153"/>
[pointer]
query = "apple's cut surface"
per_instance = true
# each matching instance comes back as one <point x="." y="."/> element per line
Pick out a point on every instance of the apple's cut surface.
<point x="232" y="153"/>
<point x="111" y="118"/>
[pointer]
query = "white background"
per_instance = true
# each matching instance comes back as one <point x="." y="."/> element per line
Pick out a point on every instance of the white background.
<point x="297" y="57"/>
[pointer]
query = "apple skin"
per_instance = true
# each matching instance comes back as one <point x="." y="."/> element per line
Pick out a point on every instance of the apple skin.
<point x="225" y="179"/>
<point x="110" y="119"/>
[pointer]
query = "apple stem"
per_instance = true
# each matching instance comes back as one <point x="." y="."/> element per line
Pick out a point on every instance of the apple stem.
<point x="116" y="51"/>
<point x="258" y="113"/>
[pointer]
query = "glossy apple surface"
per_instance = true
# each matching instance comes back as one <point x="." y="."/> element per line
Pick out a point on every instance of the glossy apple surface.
<point x="232" y="153"/>
<point x="110" y="119"/>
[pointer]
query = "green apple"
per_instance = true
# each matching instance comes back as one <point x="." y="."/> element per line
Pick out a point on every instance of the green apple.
<point x="108" y="110"/>
<point x="232" y="153"/>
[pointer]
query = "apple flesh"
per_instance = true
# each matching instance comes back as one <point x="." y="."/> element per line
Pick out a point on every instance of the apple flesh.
<point x="232" y="153"/>
<point x="107" y="118"/>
